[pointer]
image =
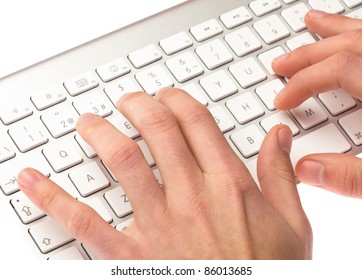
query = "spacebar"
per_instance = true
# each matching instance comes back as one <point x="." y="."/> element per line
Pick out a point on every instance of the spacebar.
<point x="327" y="139"/>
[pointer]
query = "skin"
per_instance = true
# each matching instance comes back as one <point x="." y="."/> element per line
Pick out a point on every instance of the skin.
<point x="335" y="62"/>
<point x="209" y="206"/>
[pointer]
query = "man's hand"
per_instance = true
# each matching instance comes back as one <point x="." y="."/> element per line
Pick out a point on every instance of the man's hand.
<point x="334" y="62"/>
<point x="209" y="207"/>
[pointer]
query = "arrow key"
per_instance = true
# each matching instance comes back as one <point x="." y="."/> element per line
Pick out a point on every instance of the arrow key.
<point x="25" y="209"/>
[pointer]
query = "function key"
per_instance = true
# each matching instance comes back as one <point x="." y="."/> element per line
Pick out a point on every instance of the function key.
<point x="206" y="30"/>
<point x="81" y="84"/>
<point x="176" y="43"/>
<point x="145" y="56"/>
<point x="262" y="7"/>
<point x="235" y="17"/>
<point x="113" y="70"/>
<point x="49" y="97"/>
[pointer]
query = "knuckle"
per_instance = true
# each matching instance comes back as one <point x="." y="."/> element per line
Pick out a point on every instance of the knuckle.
<point x="158" y="122"/>
<point x="82" y="223"/>
<point x="351" y="181"/>
<point x="196" y="115"/>
<point x="345" y="62"/>
<point x="354" y="37"/>
<point x="124" y="156"/>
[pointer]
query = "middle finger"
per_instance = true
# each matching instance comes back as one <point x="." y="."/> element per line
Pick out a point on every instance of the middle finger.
<point x="289" y="64"/>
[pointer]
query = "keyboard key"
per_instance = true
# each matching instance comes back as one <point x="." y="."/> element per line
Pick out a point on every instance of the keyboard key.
<point x="153" y="79"/>
<point x="9" y="171"/>
<point x="6" y="151"/>
<point x="184" y="67"/>
<point x="352" y="3"/>
<point x="337" y="101"/>
<point x="60" y="120"/>
<point x="49" y="236"/>
<point x="119" y="202"/>
<point x="206" y="30"/>
<point x="271" y="29"/>
<point x="243" y="41"/>
<point x="247" y="72"/>
<point x="235" y="17"/>
<point x="357" y="14"/>
<point x="25" y="209"/>
<point x="145" y="56"/>
<point x="92" y="103"/>
<point x="123" y="125"/>
<point x="124" y="225"/>
<point x="116" y="90"/>
<point x="49" y="97"/>
<point x="248" y="140"/>
<point x="245" y="108"/>
<point x="294" y="16"/>
<point x="268" y="91"/>
<point x="327" y="139"/>
<point x="262" y="7"/>
<point x="88" y="178"/>
<point x="351" y="124"/>
<point x="113" y="70"/>
<point x="146" y="152"/>
<point x="87" y="149"/>
<point x="97" y="205"/>
<point x="309" y="114"/>
<point x="176" y="43"/>
<point x="279" y="118"/>
<point x="300" y="40"/>
<point x="62" y="155"/>
<point x="27" y="135"/>
<point x="71" y="253"/>
<point x="214" y="54"/>
<point x="218" y="85"/>
<point x="328" y="6"/>
<point x="11" y="112"/>
<point x="222" y="119"/>
<point x="81" y="83"/>
<point x="196" y="93"/>
<point x="266" y="58"/>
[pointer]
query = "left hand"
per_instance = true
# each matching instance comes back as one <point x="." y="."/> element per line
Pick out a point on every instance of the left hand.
<point x="209" y="206"/>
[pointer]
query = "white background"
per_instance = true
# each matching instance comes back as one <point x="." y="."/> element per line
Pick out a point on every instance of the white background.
<point x="34" y="30"/>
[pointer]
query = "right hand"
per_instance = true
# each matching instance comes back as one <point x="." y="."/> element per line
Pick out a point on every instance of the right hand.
<point x="334" y="62"/>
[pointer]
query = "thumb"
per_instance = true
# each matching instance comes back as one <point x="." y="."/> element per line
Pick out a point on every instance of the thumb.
<point x="339" y="173"/>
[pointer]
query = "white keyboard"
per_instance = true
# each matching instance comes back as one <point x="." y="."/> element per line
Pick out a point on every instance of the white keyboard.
<point x="221" y="56"/>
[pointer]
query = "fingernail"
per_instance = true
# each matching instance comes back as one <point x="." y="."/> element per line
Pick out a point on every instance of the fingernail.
<point x="85" y="118"/>
<point x="280" y="58"/>
<point x="27" y="178"/>
<point x="311" y="173"/>
<point x="316" y="14"/>
<point x="285" y="137"/>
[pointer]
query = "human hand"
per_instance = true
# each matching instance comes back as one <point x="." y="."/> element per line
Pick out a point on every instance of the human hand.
<point x="331" y="63"/>
<point x="209" y="206"/>
<point x="334" y="62"/>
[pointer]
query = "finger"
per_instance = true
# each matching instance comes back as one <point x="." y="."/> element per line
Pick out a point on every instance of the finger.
<point x="339" y="173"/>
<point x="201" y="132"/>
<point x="159" y="128"/>
<point x="289" y="64"/>
<point x="78" y="219"/>
<point x="342" y="70"/>
<point x="126" y="161"/>
<point x="328" y="25"/>
<point x="277" y="179"/>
